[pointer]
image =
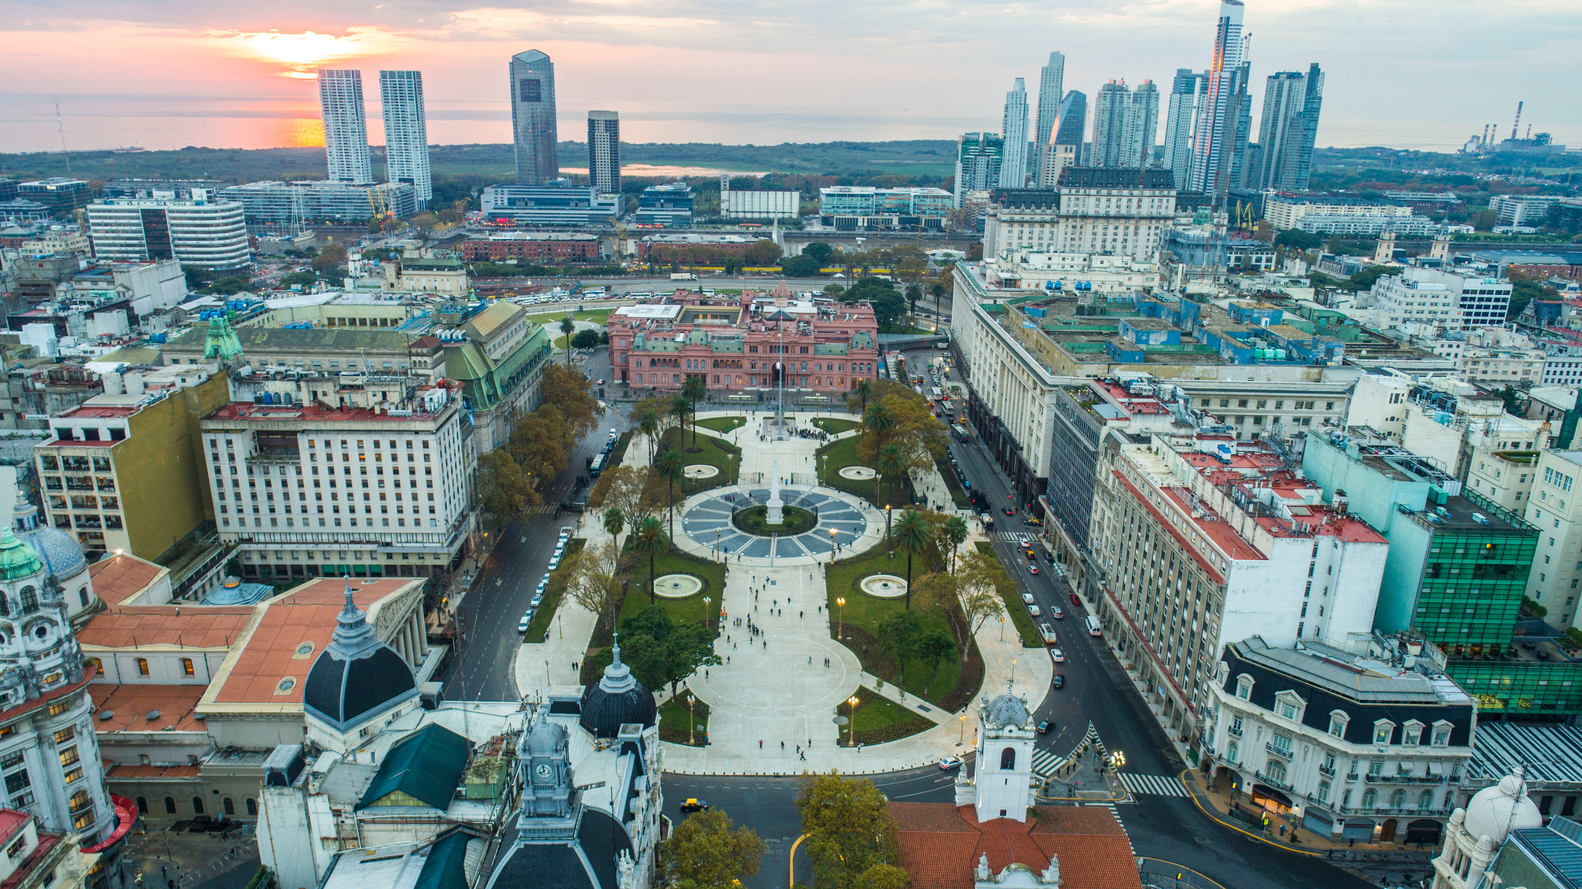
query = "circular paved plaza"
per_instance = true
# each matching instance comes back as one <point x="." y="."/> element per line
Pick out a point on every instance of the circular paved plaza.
<point x="705" y="514"/>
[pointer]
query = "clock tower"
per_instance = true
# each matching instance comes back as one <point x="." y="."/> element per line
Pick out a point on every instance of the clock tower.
<point x="547" y="759"/>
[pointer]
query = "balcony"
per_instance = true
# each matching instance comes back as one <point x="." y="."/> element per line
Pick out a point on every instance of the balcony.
<point x="1406" y="779"/>
<point x="1273" y="782"/>
<point x="1396" y="810"/>
<point x="1234" y="731"/>
<point x="1278" y="751"/>
<point x="1327" y="770"/>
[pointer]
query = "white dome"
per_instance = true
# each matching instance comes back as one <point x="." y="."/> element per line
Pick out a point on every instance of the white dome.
<point x="1494" y="812"/>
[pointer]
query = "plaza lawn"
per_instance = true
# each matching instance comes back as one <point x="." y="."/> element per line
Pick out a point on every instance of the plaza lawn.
<point x="879" y="719"/>
<point x="674" y="720"/>
<point x="544" y="617"/>
<point x="716" y="452"/>
<point x="551" y="317"/>
<point x="863" y="614"/>
<point x="1017" y="610"/>
<point x="722" y="424"/>
<point x="835" y="426"/>
<point x="688" y="610"/>
<point x="837" y="455"/>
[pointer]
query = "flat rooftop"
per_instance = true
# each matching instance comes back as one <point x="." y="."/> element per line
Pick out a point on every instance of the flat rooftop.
<point x="1360" y="678"/>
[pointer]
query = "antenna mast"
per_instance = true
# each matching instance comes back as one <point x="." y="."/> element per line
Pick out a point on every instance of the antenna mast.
<point x="60" y="127"/>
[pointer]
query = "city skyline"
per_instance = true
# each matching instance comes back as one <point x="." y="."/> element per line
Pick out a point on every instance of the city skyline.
<point x="247" y="98"/>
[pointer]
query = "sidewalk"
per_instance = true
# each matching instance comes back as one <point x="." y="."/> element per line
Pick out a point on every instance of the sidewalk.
<point x="1237" y="812"/>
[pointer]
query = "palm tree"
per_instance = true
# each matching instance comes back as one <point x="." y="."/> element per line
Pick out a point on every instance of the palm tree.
<point x="670" y="467"/>
<point x="956" y="533"/>
<point x="695" y="389"/>
<point x="914" y="292"/>
<point x="890" y="464"/>
<point x="680" y="406"/>
<point x="566" y="327"/>
<point x="865" y="392"/>
<point x="648" y="424"/>
<point x="614" y="521"/>
<point x="877" y="418"/>
<point x="911" y="533"/>
<point x="649" y="538"/>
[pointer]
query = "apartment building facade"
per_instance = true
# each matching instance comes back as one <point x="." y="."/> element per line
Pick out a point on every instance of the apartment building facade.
<point x="1091" y="210"/>
<point x="208" y="234"/>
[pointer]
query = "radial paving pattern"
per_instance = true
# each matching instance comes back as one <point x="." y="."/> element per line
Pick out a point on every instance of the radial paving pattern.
<point x="836" y="511"/>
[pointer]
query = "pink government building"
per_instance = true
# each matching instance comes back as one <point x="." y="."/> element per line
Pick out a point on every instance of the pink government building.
<point x="737" y="343"/>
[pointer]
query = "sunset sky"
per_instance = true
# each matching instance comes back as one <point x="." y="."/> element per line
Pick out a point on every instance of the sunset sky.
<point x="166" y="74"/>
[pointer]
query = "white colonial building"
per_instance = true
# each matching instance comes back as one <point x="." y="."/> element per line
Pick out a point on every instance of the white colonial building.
<point x="1366" y="746"/>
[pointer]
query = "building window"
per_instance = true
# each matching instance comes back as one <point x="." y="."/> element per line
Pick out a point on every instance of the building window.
<point x="252" y="806"/>
<point x="1276" y="771"/>
<point x="1244" y="687"/>
<point x="186" y="666"/>
<point x="1230" y="752"/>
<point x="1008" y="759"/>
<point x="1382" y="731"/>
<point x="1441" y="736"/>
<point x="1323" y="791"/>
<point x="170" y="805"/>
<point x="1370" y="797"/>
<point x="197" y="805"/>
<point x="142" y="666"/>
<point x="1337" y="723"/>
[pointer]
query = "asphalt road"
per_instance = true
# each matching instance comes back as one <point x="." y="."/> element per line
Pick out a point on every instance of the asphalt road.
<point x="482" y="667"/>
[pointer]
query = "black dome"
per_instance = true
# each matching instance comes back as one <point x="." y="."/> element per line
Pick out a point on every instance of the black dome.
<point x="356" y="676"/>
<point x="618" y="699"/>
<point x="343" y="691"/>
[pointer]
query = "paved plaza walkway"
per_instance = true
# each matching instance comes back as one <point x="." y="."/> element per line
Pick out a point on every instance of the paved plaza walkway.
<point x="782" y="686"/>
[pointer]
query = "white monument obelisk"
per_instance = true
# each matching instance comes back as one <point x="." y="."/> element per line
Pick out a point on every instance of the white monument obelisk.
<point x="775" y="516"/>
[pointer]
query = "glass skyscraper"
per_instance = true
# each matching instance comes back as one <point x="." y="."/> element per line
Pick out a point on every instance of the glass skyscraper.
<point x="406" y="132"/>
<point x="1218" y="117"/>
<point x="1050" y="91"/>
<point x="1179" y="120"/>
<point x="978" y="162"/>
<point x="1013" y="168"/>
<point x="533" y="117"/>
<point x="345" y="126"/>
<point x="1291" y="103"/>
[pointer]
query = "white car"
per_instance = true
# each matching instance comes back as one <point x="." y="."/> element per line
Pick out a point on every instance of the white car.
<point x="1048" y="633"/>
<point x="1025" y="542"/>
<point x="1028" y="598"/>
<point x="554" y="562"/>
<point x="527" y="618"/>
<point x="1035" y="611"/>
<point x="950" y="763"/>
<point x="1057" y="655"/>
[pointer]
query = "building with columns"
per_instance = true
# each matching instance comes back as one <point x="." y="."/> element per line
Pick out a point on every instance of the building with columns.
<point x="745" y="344"/>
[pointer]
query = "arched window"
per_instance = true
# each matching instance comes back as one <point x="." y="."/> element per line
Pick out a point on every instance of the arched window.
<point x="1397" y="799"/>
<point x="5" y="606"/>
<point x="1426" y="800"/>
<point x="142" y="805"/>
<point x="1369" y="798"/>
<point x="230" y="807"/>
<point x="1008" y="759"/>
<point x="252" y="806"/>
<point x="170" y="805"/>
<point x="142" y="666"/>
<point x="197" y="805"/>
<point x="1230" y="752"/>
<point x="82" y="597"/>
<point x="29" y="599"/>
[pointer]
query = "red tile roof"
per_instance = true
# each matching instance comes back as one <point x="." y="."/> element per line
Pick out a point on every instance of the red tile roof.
<point x="940" y="844"/>
<point x="118" y="578"/>
<point x="131" y="705"/>
<point x="125" y="772"/>
<point x="11" y="821"/>
<point x="306" y="614"/>
<point x="189" y="626"/>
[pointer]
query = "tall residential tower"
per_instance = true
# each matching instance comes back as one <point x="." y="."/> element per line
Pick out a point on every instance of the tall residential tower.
<point x="604" y="151"/>
<point x="1184" y="89"/>
<point x="533" y="117"/>
<point x="1218" y="116"/>
<point x="345" y="126"/>
<point x="1124" y="123"/>
<point x="406" y="132"/>
<point x="1291" y="103"/>
<point x="1050" y="91"/>
<point x="1013" y="169"/>
<point x="979" y="158"/>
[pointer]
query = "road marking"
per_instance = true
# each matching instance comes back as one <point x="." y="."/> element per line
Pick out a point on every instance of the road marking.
<point x="1154" y="785"/>
<point x="1045" y="763"/>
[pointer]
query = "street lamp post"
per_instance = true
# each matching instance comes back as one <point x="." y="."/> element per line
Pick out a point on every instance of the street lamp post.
<point x="963" y="737"/>
<point x="716" y="546"/>
<point x="832" y="546"/>
<point x="1013" y="669"/>
<point x="691" y="721"/>
<point x="705" y="611"/>
<point x="1002" y="628"/>
<point x="851" y="739"/>
<point x="887" y="523"/>
<point x="841" y="601"/>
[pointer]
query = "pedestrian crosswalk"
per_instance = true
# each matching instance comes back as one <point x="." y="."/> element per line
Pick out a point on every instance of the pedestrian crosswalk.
<point x="1155" y="785"/>
<point x="1010" y="536"/>
<point x="1045" y="763"/>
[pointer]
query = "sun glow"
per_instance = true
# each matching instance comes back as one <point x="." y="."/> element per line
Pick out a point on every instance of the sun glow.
<point x="300" y="54"/>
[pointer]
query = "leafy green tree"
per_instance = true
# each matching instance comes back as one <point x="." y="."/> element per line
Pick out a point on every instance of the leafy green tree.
<point x="585" y="339"/>
<point x="801" y="266"/>
<point x="833" y="291"/>
<point x="932" y="647"/>
<point x="914" y="292"/>
<point x="680" y="409"/>
<point x="762" y="253"/>
<point x="704" y="852"/>
<point x="955" y="535"/>
<point x="848" y="829"/>
<point x="330" y="260"/>
<point x="898" y="636"/>
<point x="1364" y="279"/>
<point x="1295" y="239"/>
<point x="695" y="389"/>
<point x="888" y="304"/>
<point x="649" y="539"/>
<point x="819" y="252"/>
<point x="507" y="490"/>
<point x="295" y="280"/>
<point x="911" y="534"/>
<point x="876" y="418"/>
<point x="891" y="464"/>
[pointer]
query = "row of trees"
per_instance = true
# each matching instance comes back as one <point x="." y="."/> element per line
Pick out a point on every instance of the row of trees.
<point x="540" y="447"/>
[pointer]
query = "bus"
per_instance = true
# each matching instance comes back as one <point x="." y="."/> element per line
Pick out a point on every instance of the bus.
<point x="597" y="467"/>
<point x="934" y="393"/>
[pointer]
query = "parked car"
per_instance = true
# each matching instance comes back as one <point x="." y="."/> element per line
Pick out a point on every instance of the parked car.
<point x="1076" y="601"/>
<point x="1034" y="611"/>
<point x="527" y="618"/>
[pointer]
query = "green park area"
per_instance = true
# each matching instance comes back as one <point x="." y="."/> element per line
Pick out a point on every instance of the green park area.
<point x="678" y="723"/>
<point x="878" y="719"/>
<point x="837" y="455"/>
<point x="1016" y="610"/>
<point x="544" y="617"/>
<point x="835" y="425"/>
<point x="723" y="424"/>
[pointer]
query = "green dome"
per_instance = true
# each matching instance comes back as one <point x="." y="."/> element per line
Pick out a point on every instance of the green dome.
<point x="17" y="559"/>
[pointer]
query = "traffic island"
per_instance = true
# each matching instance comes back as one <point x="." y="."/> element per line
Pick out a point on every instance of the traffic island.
<point x="754" y="520"/>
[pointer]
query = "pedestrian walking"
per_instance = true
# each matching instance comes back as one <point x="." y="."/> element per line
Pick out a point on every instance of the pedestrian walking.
<point x="800" y="615"/>
<point x="766" y="644"/>
<point x="782" y="745"/>
<point x="810" y="658"/>
<point x="760" y="744"/>
<point x="728" y="658"/>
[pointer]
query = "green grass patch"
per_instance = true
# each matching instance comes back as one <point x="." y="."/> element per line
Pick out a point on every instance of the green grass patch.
<point x="551" y="318"/>
<point x="688" y="610"/>
<point x="834" y="425"/>
<point x="618" y="456"/>
<point x="862" y="615"/>
<point x="675" y="721"/>
<point x="879" y="719"/>
<point x="716" y="452"/>
<point x="837" y="455"/>
<point x="755" y="520"/>
<point x="1017" y="609"/>
<point x="958" y="494"/>
<point x="544" y="617"/>
<point x="722" y="424"/>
